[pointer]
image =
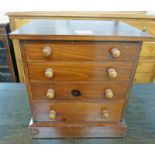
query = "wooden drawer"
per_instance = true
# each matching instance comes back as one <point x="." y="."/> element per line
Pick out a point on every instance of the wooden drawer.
<point x="78" y="111"/>
<point x="143" y="78"/>
<point x="148" y="50"/>
<point x="79" y="71"/>
<point x="78" y="91"/>
<point x="79" y="51"/>
<point x="146" y="66"/>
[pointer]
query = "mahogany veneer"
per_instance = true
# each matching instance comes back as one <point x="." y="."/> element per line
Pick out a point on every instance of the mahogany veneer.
<point x="78" y="75"/>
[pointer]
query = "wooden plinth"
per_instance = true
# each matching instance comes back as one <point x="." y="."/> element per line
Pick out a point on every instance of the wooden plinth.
<point x="47" y="130"/>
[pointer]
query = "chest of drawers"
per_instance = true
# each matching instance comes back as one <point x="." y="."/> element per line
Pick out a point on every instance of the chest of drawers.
<point x="78" y="75"/>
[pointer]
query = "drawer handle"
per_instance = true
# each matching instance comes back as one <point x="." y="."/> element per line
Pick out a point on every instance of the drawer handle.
<point x="105" y="114"/>
<point x="76" y="93"/>
<point x="109" y="94"/>
<point x="52" y="114"/>
<point x="115" y="52"/>
<point x="112" y="73"/>
<point x="49" y="73"/>
<point x="50" y="93"/>
<point x="47" y="51"/>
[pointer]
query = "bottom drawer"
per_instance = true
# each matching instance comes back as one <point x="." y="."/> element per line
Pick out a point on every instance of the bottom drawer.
<point x="78" y="111"/>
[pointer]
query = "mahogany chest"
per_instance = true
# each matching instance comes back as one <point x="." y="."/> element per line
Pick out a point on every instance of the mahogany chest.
<point x="78" y="75"/>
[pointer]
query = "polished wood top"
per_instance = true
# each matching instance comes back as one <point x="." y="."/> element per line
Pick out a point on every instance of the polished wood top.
<point x="79" y="30"/>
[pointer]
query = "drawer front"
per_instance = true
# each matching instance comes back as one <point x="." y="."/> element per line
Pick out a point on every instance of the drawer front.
<point x="79" y="111"/>
<point x="148" y="50"/>
<point x="78" y="51"/>
<point x="146" y="66"/>
<point x="79" y="71"/>
<point x="143" y="78"/>
<point x="78" y="91"/>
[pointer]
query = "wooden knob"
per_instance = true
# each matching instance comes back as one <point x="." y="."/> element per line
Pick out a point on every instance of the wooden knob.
<point x="47" y="51"/>
<point x="50" y="93"/>
<point x="109" y="94"/>
<point x="52" y="114"/>
<point x="49" y="73"/>
<point x="115" y="52"/>
<point x="105" y="114"/>
<point x="112" y="73"/>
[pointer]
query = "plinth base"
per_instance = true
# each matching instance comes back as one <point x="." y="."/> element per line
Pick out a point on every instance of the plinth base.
<point x="70" y="130"/>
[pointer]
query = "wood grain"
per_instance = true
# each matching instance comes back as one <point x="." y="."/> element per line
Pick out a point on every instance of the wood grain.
<point x="79" y="66"/>
<point x="79" y="71"/>
<point x="46" y="130"/>
<point x="145" y="25"/>
<point x="145" y="66"/>
<point x="18" y="19"/>
<point x="21" y="22"/>
<point x="148" y="51"/>
<point x="81" y="14"/>
<point x="143" y="77"/>
<point x="79" y="111"/>
<point x="80" y="51"/>
<point x="88" y="90"/>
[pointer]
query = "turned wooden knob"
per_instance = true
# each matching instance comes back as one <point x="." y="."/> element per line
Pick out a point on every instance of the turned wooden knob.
<point x="47" y="51"/>
<point x="112" y="73"/>
<point x="49" y="73"/>
<point x="109" y="94"/>
<point x="50" y="93"/>
<point x="52" y="114"/>
<point x="115" y="52"/>
<point x="105" y="114"/>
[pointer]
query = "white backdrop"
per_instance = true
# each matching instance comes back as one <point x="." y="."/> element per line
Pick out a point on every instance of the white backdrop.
<point x="75" y="5"/>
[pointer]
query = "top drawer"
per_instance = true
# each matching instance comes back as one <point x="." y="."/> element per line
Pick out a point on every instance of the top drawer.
<point x="80" y="51"/>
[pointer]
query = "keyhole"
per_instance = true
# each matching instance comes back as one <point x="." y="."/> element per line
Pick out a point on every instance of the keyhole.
<point x="76" y="93"/>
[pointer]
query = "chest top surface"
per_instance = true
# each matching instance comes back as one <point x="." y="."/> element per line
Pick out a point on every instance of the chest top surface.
<point x="79" y="30"/>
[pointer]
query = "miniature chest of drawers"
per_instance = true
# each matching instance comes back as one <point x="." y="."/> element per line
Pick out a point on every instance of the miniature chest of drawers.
<point x="78" y="75"/>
